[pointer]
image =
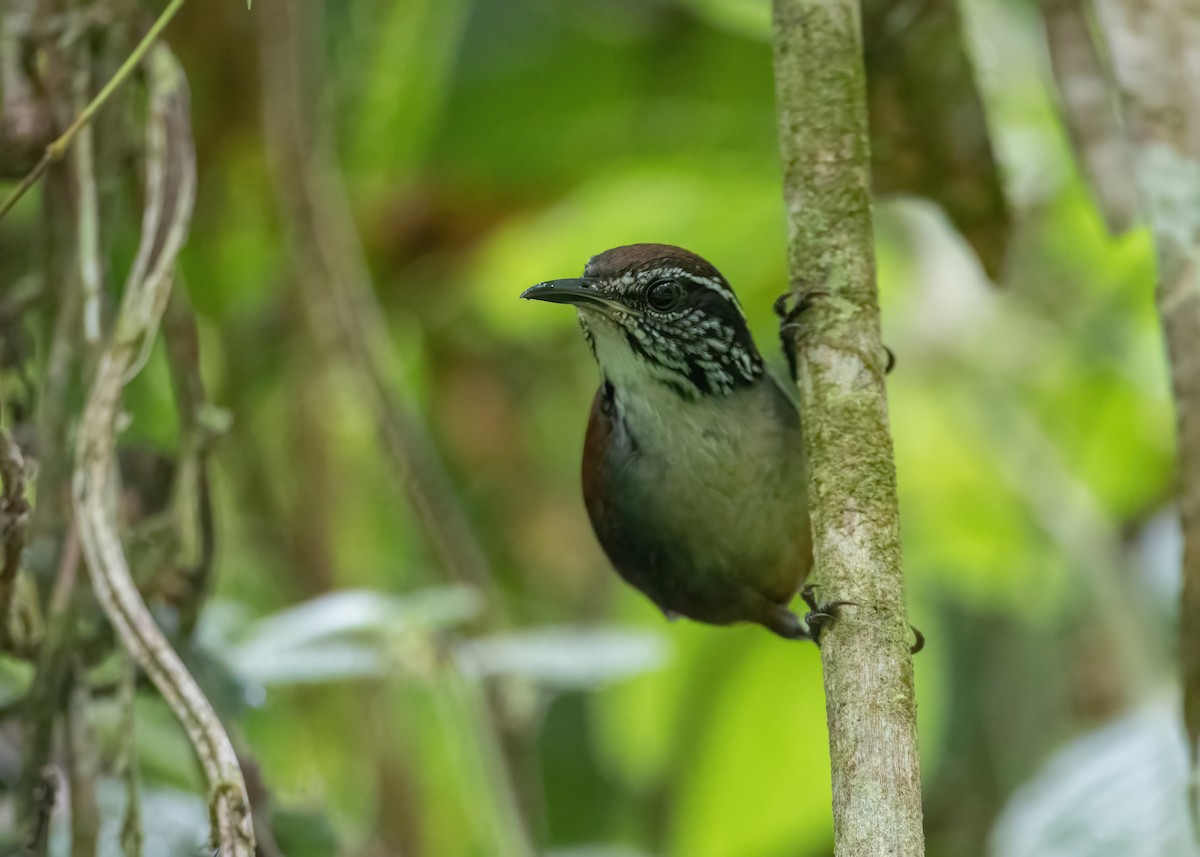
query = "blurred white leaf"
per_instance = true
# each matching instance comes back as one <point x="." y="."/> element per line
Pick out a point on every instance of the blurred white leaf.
<point x="329" y="661"/>
<point x="343" y="635"/>
<point x="360" y="634"/>
<point x="355" y="612"/>
<point x="1118" y="791"/>
<point x="564" y="657"/>
<point x="1158" y="553"/>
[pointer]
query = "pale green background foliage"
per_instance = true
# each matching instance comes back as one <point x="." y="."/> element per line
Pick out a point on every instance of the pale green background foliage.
<point x="488" y="145"/>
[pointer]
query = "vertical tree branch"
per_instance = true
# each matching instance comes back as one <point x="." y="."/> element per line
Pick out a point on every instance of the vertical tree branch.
<point x="45" y="696"/>
<point x="192" y="500"/>
<point x="14" y="524"/>
<point x="1154" y="48"/>
<point x="1090" y="112"/>
<point x="132" y="836"/>
<point x="821" y="95"/>
<point x="82" y="767"/>
<point x="88" y="214"/>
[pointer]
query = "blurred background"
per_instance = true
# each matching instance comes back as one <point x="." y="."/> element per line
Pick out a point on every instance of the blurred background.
<point x="411" y="631"/>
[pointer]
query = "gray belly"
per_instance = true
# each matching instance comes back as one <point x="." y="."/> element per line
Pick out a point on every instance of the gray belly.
<point x="713" y="501"/>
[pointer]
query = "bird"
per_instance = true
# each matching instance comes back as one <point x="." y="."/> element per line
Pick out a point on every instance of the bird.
<point x="694" y="474"/>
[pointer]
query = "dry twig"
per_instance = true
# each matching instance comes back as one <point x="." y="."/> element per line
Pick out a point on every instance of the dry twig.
<point x="170" y="190"/>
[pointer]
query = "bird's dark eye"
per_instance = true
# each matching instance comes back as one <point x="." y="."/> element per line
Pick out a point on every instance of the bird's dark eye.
<point x="664" y="295"/>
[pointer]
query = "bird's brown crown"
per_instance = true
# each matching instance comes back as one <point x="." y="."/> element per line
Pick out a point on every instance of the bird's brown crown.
<point x="635" y="258"/>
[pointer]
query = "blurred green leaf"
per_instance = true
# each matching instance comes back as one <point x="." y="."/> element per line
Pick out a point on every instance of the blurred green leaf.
<point x="487" y="146"/>
<point x="596" y="851"/>
<point x="756" y="779"/>
<point x="303" y="833"/>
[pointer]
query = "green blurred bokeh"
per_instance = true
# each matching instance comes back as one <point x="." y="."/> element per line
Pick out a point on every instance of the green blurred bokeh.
<point x="488" y="145"/>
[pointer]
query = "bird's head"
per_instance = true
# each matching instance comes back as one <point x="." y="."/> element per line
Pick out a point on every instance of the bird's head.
<point x="656" y="313"/>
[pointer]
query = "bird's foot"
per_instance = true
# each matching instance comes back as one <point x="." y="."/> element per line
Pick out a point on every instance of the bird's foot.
<point x="819" y="615"/>
<point x="789" y="306"/>
<point x="790" y="328"/>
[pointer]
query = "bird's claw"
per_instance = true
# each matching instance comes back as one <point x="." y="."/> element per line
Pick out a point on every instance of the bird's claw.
<point x="802" y="301"/>
<point x="920" y="641"/>
<point x="790" y="327"/>
<point x="819" y="615"/>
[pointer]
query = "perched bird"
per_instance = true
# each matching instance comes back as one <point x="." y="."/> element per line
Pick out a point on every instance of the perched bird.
<point x="693" y="463"/>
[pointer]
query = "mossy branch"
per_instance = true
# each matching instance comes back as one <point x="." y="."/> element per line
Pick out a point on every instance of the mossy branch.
<point x="821" y="95"/>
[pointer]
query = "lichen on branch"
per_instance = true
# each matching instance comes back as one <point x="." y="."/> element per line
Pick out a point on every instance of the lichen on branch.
<point x="870" y="704"/>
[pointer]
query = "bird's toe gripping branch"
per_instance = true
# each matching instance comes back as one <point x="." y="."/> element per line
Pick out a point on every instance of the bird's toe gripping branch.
<point x="789" y="307"/>
<point x="819" y="615"/>
<point x="785" y="623"/>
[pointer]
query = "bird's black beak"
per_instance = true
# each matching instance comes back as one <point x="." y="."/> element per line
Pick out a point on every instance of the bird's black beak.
<point x="579" y="291"/>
